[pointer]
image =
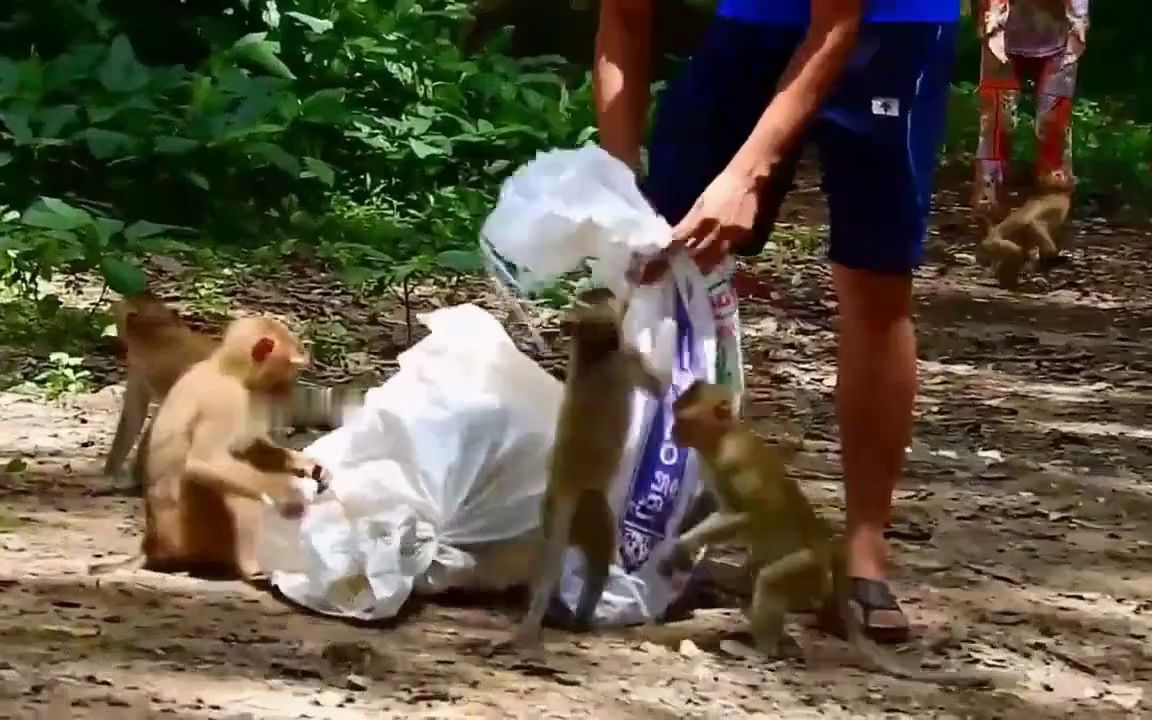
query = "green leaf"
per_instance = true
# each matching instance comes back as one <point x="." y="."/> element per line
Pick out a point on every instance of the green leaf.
<point x="106" y="228"/>
<point x="5" y="158"/>
<point x="315" y="24"/>
<point x="15" y="465"/>
<point x="461" y="261"/>
<point x="199" y="180"/>
<point x="105" y="144"/>
<point x="122" y="276"/>
<point x="53" y="119"/>
<point x="121" y="73"/>
<point x="422" y="149"/>
<point x="169" y="145"/>
<point x="142" y="229"/>
<point x="254" y="48"/>
<point x="320" y="170"/>
<point x="100" y="114"/>
<point x="324" y="106"/>
<point x="17" y="123"/>
<point x="276" y="155"/>
<point x="53" y="214"/>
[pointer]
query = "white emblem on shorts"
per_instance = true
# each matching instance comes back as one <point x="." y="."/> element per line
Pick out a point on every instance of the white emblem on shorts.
<point x="886" y="106"/>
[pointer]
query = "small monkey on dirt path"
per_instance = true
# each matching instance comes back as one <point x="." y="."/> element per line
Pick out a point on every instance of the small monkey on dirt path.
<point x="1027" y="233"/>
<point x="591" y="432"/>
<point x="160" y="348"/>
<point x="796" y="559"/>
<point x="206" y="462"/>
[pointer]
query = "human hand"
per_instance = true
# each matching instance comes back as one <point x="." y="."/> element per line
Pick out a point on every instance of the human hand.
<point x="721" y="219"/>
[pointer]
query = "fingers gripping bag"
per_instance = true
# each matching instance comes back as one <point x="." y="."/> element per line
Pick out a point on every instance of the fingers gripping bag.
<point x="571" y="206"/>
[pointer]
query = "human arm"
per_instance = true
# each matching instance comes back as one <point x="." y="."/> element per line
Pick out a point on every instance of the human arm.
<point x="621" y="74"/>
<point x="724" y="214"/>
<point x="1077" y="13"/>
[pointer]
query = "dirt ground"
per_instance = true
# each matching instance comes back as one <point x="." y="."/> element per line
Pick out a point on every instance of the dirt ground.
<point x="1021" y="540"/>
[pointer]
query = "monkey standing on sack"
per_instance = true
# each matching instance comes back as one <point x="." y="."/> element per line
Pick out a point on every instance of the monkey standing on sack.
<point x="1039" y="41"/>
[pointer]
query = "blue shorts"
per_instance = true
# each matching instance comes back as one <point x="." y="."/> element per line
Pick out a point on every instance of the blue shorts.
<point x="878" y="133"/>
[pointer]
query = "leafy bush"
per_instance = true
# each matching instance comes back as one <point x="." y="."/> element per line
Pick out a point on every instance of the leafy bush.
<point x="354" y="125"/>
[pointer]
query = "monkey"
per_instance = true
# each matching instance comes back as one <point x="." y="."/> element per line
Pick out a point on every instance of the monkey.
<point x="793" y="555"/>
<point x="160" y="347"/>
<point x="591" y="432"/>
<point x="1026" y="232"/>
<point x="206" y="462"/>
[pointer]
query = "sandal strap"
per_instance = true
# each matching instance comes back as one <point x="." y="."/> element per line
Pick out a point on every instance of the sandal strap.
<point x="873" y="594"/>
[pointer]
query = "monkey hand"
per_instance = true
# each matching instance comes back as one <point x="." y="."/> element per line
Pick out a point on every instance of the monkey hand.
<point x="290" y="505"/>
<point x="678" y="559"/>
<point x="308" y="468"/>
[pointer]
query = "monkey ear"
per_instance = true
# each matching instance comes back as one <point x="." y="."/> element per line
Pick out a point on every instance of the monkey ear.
<point x="262" y="348"/>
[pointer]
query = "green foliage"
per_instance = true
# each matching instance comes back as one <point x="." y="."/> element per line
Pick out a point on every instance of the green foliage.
<point x="63" y="376"/>
<point x="353" y="127"/>
<point x="34" y="325"/>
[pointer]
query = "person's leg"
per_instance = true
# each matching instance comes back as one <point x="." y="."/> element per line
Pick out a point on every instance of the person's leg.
<point x="1055" y="90"/>
<point x="998" y="97"/>
<point x="879" y="137"/>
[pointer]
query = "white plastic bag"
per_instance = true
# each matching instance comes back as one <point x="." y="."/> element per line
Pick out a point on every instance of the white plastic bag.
<point x="555" y="211"/>
<point x="569" y="205"/>
<point x="436" y="482"/>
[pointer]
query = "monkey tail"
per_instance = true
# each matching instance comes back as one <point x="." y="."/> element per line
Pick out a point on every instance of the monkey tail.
<point x="877" y="656"/>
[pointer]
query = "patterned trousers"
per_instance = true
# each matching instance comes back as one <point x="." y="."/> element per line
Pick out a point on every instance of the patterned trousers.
<point x="999" y="94"/>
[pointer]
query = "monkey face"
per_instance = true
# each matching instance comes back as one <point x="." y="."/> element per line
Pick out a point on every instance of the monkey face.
<point x="702" y="412"/>
<point x="143" y="316"/>
<point x="270" y="355"/>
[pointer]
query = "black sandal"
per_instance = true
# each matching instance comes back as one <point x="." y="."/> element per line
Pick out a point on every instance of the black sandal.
<point x="880" y="614"/>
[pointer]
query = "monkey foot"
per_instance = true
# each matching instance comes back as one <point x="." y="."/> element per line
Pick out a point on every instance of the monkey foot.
<point x="783" y="648"/>
<point x="880" y="615"/>
<point x="524" y="639"/>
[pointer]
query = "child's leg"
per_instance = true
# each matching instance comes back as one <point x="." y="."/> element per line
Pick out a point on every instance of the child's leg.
<point x="1055" y="90"/>
<point x="999" y="94"/>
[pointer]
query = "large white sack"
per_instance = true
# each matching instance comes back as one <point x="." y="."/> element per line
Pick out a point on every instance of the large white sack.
<point x="442" y="469"/>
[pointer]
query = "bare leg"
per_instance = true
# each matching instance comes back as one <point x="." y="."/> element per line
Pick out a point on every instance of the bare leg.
<point x="875" y="394"/>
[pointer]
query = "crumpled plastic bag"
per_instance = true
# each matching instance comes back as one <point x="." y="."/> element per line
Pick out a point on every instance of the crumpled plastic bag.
<point x="570" y="205"/>
<point x="436" y="482"/>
